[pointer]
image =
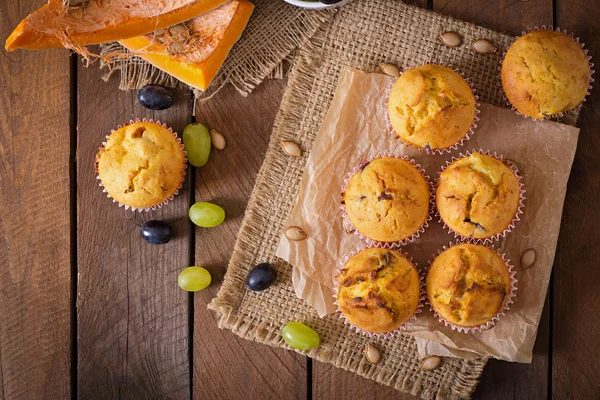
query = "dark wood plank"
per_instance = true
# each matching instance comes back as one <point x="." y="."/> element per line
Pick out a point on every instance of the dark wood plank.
<point x="502" y="380"/>
<point x="508" y="16"/>
<point x="575" y="345"/>
<point x="329" y="382"/>
<point x="132" y="316"/>
<point x="226" y="366"/>
<point x="35" y="273"/>
<point x="418" y="3"/>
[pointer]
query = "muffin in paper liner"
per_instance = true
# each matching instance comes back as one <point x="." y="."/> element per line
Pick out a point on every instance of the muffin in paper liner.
<point x="428" y="150"/>
<point x="412" y="319"/>
<point x="508" y="300"/>
<point x="183" y="169"/>
<point x="349" y="227"/>
<point x="518" y="213"/>
<point x="590" y="66"/>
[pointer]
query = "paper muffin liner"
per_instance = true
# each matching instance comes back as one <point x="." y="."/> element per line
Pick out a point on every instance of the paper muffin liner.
<point x="590" y="66"/>
<point x="127" y="207"/>
<point x="412" y="319"/>
<point x="508" y="300"/>
<point x="428" y="150"/>
<point x="349" y="226"/>
<point x="518" y="213"/>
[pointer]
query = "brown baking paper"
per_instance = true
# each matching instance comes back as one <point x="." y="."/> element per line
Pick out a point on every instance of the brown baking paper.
<point x="357" y="127"/>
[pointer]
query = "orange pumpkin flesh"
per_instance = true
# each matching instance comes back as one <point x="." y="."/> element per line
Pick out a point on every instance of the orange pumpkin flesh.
<point x="57" y="25"/>
<point x="199" y="60"/>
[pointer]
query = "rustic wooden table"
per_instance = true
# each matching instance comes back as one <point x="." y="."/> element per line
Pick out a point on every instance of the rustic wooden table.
<point x="88" y="310"/>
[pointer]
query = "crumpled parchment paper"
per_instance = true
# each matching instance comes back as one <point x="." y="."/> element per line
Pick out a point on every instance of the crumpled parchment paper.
<point x="356" y="127"/>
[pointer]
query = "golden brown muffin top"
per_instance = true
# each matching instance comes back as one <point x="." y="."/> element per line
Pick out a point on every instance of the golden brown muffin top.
<point x="388" y="200"/>
<point x="141" y="165"/>
<point x="478" y="196"/>
<point x="379" y="290"/>
<point x="545" y="73"/>
<point x="431" y="105"/>
<point x="468" y="284"/>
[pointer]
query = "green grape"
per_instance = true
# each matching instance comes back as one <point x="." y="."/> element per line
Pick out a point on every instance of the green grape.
<point x="300" y="336"/>
<point x="194" y="279"/>
<point x="196" y="140"/>
<point x="206" y="215"/>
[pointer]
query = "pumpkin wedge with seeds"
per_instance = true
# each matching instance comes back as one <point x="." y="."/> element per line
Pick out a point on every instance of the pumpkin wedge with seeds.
<point x="194" y="51"/>
<point x="77" y="23"/>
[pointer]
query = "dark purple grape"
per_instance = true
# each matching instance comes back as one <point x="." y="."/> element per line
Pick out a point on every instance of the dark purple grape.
<point x="261" y="277"/>
<point x="156" y="97"/>
<point x="156" y="232"/>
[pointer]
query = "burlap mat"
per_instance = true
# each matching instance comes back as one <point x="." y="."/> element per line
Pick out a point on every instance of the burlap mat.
<point x="361" y="35"/>
<point x="273" y="32"/>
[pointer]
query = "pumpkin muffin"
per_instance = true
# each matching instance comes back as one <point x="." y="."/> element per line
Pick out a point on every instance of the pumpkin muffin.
<point x="478" y="196"/>
<point x="545" y="73"/>
<point x="431" y="106"/>
<point x="387" y="200"/>
<point x="379" y="290"/>
<point x="468" y="284"/>
<point x="141" y="165"/>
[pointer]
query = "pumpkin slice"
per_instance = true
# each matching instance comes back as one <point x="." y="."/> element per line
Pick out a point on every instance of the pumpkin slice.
<point x="195" y="50"/>
<point x="77" y="23"/>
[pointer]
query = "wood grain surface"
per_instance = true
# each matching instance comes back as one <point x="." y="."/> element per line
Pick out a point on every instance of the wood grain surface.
<point x="35" y="269"/>
<point x="509" y="16"/>
<point x="226" y="366"/>
<point x="502" y="380"/>
<point x="138" y="336"/>
<point x="132" y="317"/>
<point x="575" y="327"/>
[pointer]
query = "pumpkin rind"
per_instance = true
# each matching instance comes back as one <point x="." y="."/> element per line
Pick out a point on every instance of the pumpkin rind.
<point x="54" y="26"/>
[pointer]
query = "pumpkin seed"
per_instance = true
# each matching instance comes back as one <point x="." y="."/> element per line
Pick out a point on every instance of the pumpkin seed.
<point x="179" y="30"/>
<point x="528" y="258"/>
<point x="484" y="46"/>
<point x="218" y="140"/>
<point x="372" y="354"/>
<point x="175" y="47"/>
<point x="390" y="69"/>
<point x="76" y="3"/>
<point x="291" y="148"/>
<point x="295" y="233"/>
<point x="450" y="39"/>
<point x="430" y="363"/>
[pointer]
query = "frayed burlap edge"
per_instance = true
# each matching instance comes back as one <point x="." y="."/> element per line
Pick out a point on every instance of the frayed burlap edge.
<point x="229" y="299"/>
<point x="257" y="63"/>
<point x="134" y="71"/>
